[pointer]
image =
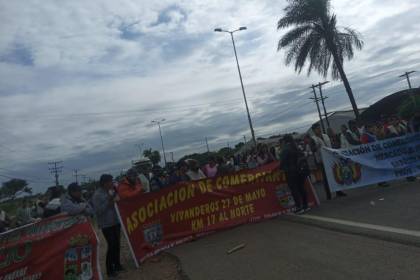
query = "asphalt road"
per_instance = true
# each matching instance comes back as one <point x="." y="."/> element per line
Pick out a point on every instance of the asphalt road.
<point x="397" y="205"/>
<point x="290" y="247"/>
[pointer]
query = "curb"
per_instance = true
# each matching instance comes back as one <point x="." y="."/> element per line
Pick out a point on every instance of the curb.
<point x="353" y="230"/>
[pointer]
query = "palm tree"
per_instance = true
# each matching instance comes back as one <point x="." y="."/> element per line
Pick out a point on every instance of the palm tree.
<point x="316" y="39"/>
<point x="153" y="156"/>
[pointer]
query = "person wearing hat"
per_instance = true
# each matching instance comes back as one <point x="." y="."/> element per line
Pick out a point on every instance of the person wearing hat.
<point x="130" y="185"/>
<point x="103" y="203"/>
<point x="73" y="203"/>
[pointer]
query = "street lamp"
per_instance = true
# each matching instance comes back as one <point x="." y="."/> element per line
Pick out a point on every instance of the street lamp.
<point x="157" y="122"/>
<point x="240" y="77"/>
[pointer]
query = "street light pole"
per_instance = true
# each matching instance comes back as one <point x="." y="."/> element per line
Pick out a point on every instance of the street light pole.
<point x="240" y="78"/>
<point x="161" y="138"/>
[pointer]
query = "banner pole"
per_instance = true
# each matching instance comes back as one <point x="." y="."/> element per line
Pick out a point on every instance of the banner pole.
<point x="313" y="191"/>
<point x="126" y="236"/>
<point x="98" y="243"/>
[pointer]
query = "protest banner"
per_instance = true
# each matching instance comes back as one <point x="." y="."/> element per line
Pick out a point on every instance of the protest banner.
<point x="154" y="222"/>
<point x="60" y="247"/>
<point x="380" y="161"/>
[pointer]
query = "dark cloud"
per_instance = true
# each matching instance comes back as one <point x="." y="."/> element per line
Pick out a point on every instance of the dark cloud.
<point x="166" y="15"/>
<point x="18" y="54"/>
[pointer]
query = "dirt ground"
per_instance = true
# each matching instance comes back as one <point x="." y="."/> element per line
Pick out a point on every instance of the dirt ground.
<point x="162" y="267"/>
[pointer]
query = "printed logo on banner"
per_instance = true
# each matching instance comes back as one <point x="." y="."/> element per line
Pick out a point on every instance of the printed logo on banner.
<point x="153" y="234"/>
<point x="347" y="172"/>
<point x="78" y="259"/>
<point x="285" y="197"/>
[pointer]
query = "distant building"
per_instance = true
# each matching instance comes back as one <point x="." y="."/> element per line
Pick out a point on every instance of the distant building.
<point x="143" y="165"/>
<point x="338" y="118"/>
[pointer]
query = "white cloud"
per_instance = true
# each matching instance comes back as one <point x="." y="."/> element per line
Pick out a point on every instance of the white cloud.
<point x="129" y="62"/>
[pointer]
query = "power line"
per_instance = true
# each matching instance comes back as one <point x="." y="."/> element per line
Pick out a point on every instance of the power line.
<point x="287" y="110"/>
<point x="125" y="113"/>
<point x="32" y="178"/>
<point x="22" y="178"/>
<point x="181" y="108"/>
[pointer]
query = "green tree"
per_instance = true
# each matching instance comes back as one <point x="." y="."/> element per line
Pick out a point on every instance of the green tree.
<point x="153" y="156"/>
<point x="315" y="38"/>
<point x="239" y="146"/>
<point x="226" y="152"/>
<point x="409" y="106"/>
<point x="12" y="187"/>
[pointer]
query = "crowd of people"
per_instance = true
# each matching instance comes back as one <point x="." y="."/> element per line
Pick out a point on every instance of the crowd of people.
<point x="292" y="153"/>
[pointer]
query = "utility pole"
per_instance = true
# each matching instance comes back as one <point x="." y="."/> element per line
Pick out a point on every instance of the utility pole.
<point x="407" y="76"/>
<point x="244" y="139"/>
<point x="55" y="169"/>
<point x="84" y="178"/>
<point x="75" y="175"/>
<point x="322" y="101"/>
<point x="316" y="100"/>
<point x="207" y="144"/>
<point x="172" y="156"/>
<point x="158" y="122"/>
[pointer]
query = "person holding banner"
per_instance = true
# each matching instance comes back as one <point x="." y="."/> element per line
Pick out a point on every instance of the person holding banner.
<point x="320" y="140"/>
<point x="210" y="169"/>
<point x="130" y="185"/>
<point x="295" y="174"/>
<point x="369" y="135"/>
<point x="353" y="134"/>
<point x="73" y="203"/>
<point x="103" y="203"/>
<point x="194" y="172"/>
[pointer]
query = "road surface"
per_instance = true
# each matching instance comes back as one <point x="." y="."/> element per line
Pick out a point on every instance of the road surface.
<point x="374" y="233"/>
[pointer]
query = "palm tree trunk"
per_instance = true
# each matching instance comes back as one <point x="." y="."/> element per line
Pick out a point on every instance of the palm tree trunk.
<point x="346" y="84"/>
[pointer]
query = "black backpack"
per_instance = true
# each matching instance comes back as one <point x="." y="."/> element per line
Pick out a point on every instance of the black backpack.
<point x="303" y="167"/>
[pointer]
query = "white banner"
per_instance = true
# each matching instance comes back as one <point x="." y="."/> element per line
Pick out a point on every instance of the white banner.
<point x="372" y="163"/>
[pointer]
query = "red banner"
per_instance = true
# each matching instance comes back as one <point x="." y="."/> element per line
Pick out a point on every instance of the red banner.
<point x="157" y="221"/>
<point x="60" y="247"/>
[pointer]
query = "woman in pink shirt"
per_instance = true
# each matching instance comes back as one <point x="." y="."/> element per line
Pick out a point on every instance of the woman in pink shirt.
<point x="210" y="169"/>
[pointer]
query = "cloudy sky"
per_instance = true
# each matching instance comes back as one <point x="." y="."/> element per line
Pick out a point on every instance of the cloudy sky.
<point x="80" y="81"/>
